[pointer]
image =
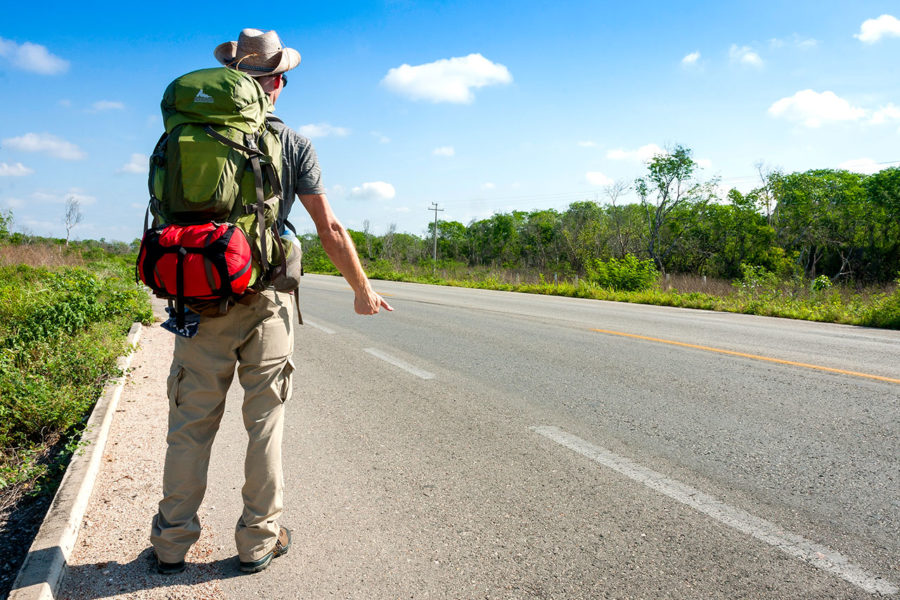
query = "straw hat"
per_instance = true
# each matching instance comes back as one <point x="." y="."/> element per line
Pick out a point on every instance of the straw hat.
<point x="257" y="53"/>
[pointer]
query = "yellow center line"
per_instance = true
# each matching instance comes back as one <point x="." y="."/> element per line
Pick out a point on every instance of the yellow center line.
<point x="753" y="356"/>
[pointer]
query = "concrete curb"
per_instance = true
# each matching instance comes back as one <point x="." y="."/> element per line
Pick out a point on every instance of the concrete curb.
<point x="43" y="569"/>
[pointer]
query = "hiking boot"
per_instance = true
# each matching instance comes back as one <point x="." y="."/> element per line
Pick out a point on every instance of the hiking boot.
<point x="167" y="568"/>
<point x="282" y="545"/>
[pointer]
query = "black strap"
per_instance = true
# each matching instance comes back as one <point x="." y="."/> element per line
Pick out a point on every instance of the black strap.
<point x="179" y="289"/>
<point x="156" y="160"/>
<point x="260" y="212"/>
<point x="229" y="142"/>
<point x="272" y="176"/>
<point x="297" y="300"/>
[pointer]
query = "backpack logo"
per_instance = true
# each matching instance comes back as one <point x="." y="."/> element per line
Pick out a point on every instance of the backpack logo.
<point x="203" y="97"/>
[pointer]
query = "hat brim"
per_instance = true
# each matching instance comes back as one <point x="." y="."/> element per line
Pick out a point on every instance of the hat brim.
<point x="226" y="54"/>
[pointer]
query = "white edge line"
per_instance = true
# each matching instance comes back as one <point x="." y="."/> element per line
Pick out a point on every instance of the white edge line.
<point x="795" y="545"/>
<point x="400" y="363"/>
<point x="319" y="327"/>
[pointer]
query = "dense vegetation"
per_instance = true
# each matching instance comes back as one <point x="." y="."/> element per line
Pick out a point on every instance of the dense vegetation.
<point x="824" y="245"/>
<point x="64" y="315"/>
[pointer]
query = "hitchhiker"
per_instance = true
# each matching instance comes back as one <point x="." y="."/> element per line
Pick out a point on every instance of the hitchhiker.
<point x="256" y="333"/>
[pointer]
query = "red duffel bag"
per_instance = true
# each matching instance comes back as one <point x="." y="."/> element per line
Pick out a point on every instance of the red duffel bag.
<point x="204" y="262"/>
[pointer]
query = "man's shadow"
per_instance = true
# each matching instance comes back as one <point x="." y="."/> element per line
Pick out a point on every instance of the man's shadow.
<point x="106" y="579"/>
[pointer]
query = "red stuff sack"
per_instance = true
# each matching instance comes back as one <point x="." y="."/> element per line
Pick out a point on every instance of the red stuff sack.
<point x="204" y="262"/>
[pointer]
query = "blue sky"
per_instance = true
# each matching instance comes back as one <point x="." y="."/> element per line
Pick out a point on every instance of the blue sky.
<point x="481" y="107"/>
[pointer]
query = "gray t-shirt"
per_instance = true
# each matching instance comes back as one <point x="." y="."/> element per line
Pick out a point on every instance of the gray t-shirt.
<point x="300" y="172"/>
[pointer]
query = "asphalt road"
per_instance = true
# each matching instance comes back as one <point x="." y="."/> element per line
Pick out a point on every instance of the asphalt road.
<point x="477" y="444"/>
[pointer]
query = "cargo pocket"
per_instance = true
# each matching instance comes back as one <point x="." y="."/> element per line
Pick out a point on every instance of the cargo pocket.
<point x="276" y="335"/>
<point x="287" y="379"/>
<point x="176" y="375"/>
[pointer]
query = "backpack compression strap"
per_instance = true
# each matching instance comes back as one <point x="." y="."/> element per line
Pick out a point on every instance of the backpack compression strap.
<point x="254" y="153"/>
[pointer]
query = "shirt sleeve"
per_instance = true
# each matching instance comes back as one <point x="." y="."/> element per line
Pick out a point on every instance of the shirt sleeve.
<point x="300" y="157"/>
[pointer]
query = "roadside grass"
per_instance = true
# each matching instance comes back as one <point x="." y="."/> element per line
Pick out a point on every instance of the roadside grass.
<point x="39" y="255"/>
<point x="64" y="316"/>
<point x="873" y="306"/>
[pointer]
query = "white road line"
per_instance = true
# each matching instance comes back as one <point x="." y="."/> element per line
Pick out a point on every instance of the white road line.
<point x="319" y="327"/>
<point x="766" y="531"/>
<point x="400" y="363"/>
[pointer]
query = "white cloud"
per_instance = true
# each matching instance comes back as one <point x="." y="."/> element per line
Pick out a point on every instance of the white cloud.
<point x="382" y="139"/>
<point x="796" y="41"/>
<point x="60" y="198"/>
<point x="65" y="102"/>
<point x="487" y="186"/>
<point x="46" y="143"/>
<point x="16" y="170"/>
<point x="444" y="151"/>
<point x="866" y="166"/>
<point x="323" y="130"/>
<point x="138" y="164"/>
<point x="587" y="144"/>
<point x="32" y="57"/>
<point x="101" y="105"/>
<point x="873" y="30"/>
<point x="885" y="114"/>
<point x="597" y="178"/>
<point x="704" y="163"/>
<point x="812" y="108"/>
<point x="446" y="80"/>
<point x="644" y="153"/>
<point x="691" y="59"/>
<point x="374" y="190"/>
<point x="745" y="55"/>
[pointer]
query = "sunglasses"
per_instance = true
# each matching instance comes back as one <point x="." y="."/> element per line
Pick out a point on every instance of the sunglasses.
<point x="283" y="78"/>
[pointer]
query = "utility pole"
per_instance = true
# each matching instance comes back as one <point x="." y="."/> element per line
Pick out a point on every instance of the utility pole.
<point x="436" y="210"/>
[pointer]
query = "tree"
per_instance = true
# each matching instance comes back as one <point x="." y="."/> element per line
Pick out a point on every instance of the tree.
<point x="765" y="194"/>
<point x="620" y="239"/>
<point x="883" y="231"/>
<point x="821" y="214"/>
<point x="73" y="215"/>
<point x="5" y="221"/>
<point x="668" y="185"/>
<point x="579" y="226"/>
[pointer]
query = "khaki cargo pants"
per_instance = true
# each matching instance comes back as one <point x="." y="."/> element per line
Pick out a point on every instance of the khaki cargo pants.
<point x="258" y="338"/>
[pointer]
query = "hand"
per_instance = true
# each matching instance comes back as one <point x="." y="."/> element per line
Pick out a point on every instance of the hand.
<point x="369" y="303"/>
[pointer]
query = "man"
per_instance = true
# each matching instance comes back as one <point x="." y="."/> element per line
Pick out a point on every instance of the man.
<point x="257" y="335"/>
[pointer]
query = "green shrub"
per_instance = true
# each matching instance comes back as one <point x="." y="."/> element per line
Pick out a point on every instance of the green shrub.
<point x="821" y="283"/>
<point x="755" y="277"/>
<point x="628" y="274"/>
<point x="61" y="331"/>
<point x="884" y="313"/>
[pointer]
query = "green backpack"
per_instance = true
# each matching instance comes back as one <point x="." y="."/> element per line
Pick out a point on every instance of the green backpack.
<point x="219" y="161"/>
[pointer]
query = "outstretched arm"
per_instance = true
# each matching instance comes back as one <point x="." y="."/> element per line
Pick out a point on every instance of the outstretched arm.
<point x="340" y="249"/>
